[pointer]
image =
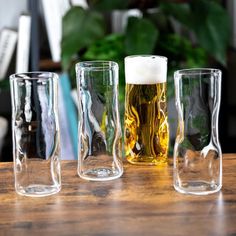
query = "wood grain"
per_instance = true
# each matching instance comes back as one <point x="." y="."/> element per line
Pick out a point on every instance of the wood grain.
<point x="142" y="202"/>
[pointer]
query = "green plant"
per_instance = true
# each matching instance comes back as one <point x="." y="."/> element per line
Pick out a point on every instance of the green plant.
<point x="204" y="36"/>
<point x="85" y="34"/>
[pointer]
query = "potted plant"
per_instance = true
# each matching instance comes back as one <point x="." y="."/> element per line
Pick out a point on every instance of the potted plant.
<point x="189" y="33"/>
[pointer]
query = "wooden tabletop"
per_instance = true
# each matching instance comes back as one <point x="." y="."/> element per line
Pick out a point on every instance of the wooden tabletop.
<point x="142" y="202"/>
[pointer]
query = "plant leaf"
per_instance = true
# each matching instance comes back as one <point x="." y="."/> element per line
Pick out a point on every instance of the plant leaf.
<point x="111" y="47"/>
<point x="80" y="29"/>
<point x="208" y="20"/>
<point x="141" y="36"/>
<point x="107" y="5"/>
<point x="180" y="12"/>
<point x="212" y="29"/>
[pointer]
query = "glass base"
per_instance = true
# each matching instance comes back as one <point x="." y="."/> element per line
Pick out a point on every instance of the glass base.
<point x="148" y="161"/>
<point x="100" y="174"/>
<point x="197" y="188"/>
<point x="38" y="190"/>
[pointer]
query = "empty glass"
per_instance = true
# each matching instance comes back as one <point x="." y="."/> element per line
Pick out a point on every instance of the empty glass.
<point x="35" y="133"/>
<point x="99" y="130"/>
<point x="197" y="151"/>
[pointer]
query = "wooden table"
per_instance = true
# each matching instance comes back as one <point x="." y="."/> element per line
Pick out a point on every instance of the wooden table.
<point x="142" y="202"/>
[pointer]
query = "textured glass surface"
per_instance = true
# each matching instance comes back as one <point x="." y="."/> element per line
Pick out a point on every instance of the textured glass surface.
<point x="146" y="126"/>
<point x="146" y="129"/>
<point x="99" y="141"/>
<point x="35" y="133"/>
<point x="197" y="151"/>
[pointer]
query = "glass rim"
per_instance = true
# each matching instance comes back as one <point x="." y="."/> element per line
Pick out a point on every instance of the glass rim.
<point x="197" y="71"/>
<point x="28" y="75"/>
<point x="147" y="56"/>
<point x="98" y="65"/>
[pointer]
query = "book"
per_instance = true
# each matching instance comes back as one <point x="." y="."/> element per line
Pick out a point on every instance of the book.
<point x="8" y="40"/>
<point x="80" y="3"/>
<point x="54" y="11"/>
<point x="67" y="152"/>
<point x="23" y="44"/>
<point x="70" y="111"/>
<point x="231" y="7"/>
<point x="33" y="7"/>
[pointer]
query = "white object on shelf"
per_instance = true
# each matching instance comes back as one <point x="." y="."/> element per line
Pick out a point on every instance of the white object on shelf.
<point x="23" y="45"/>
<point x="54" y="10"/>
<point x="8" y="39"/>
<point x="120" y="19"/>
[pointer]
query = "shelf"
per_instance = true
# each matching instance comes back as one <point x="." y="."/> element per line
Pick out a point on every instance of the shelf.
<point x="48" y="64"/>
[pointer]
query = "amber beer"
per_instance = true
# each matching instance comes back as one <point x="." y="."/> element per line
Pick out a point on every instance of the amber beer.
<point x="146" y="126"/>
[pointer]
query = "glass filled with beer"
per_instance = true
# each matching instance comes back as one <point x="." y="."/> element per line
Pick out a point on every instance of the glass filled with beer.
<point x="146" y="130"/>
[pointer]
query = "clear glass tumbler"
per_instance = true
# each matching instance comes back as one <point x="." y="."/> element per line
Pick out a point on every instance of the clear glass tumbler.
<point x="99" y="129"/>
<point x="35" y="133"/>
<point x="197" y="151"/>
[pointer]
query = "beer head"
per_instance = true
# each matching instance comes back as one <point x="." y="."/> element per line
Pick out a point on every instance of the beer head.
<point x="145" y="69"/>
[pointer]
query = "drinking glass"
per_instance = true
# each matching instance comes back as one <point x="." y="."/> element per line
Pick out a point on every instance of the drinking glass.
<point x="146" y="125"/>
<point x="197" y="151"/>
<point x="35" y="133"/>
<point x="99" y="129"/>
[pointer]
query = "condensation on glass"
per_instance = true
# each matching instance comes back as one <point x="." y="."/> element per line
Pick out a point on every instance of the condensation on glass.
<point x="35" y="133"/>
<point x="99" y="129"/>
<point x="197" y="151"/>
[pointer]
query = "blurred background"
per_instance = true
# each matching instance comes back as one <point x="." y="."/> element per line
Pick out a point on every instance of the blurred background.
<point x="54" y="35"/>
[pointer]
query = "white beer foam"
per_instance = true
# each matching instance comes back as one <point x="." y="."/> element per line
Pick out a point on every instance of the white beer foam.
<point x="145" y="69"/>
